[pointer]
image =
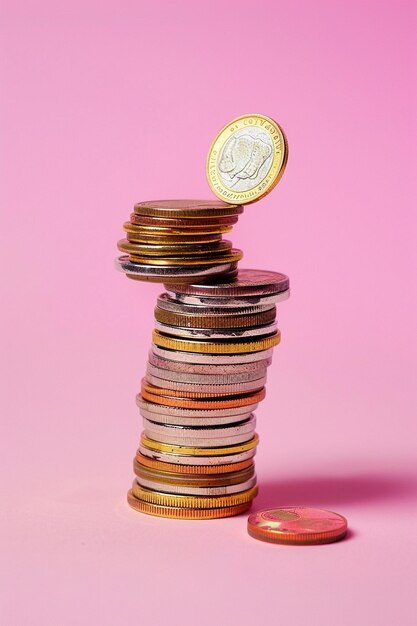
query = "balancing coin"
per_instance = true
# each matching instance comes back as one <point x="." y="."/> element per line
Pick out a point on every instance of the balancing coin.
<point x="247" y="159"/>
<point x="202" y="320"/>
<point x="216" y="333"/>
<point x="170" y="272"/>
<point x="185" y="490"/>
<point x="248" y="283"/>
<point x="187" y="208"/>
<point x="179" y="513"/>
<point x="218" y="359"/>
<point x="297" y="525"/>
<point x="197" y="470"/>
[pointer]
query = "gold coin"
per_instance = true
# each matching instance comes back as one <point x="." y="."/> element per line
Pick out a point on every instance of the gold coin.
<point x="201" y="230"/>
<point x="193" y="469"/>
<point x="247" y="159"/>
<point x="215" y="347"/>
<point x="178" y="513"/>
<point x="189" y="224"/>
<point x="187" y="208"/>
<point x="192" y="403"/>
<point x="211" y="321"/>
<point x="157" y="446"/>
<point x="174" y="249"/>
<point x="171" y="239"/>
<point x="192" y="502"/>
<point x="212" y="259"/>
<point x="193" y="480"/>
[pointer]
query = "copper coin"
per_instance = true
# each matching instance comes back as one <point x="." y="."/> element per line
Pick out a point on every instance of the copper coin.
<point x="203" y="403"/>
<point x="297" y="525"/>
<point x="170" y="230"/>
<point x="179" y="513"/>
<point x="212" y="258"/>
<point x="187" y="208"/>
<point x="172" y="239"/>
<point x="162" y="250"/>
<point x="248" y="283"/>
<point x="193" y="469"/>
<point x="178" y="222"/>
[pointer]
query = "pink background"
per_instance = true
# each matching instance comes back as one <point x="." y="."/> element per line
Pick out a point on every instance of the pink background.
<point x="108" y="103"/>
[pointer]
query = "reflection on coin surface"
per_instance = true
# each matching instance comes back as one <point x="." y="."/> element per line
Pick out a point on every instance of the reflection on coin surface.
<point x="247" y="159"/>
<point x="248" y="282"/>
<point x="297" y="525"/>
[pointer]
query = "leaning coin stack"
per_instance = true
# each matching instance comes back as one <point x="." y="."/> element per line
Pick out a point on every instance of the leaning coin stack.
<point x="179" y="240"/>
<point x="205" y="376"/>
<point x="215" y="330"/>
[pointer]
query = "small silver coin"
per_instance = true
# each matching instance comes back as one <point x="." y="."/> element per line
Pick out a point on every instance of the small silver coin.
<point x="231" y="302"/>
<point x="218" y="359"/>
<point x="185" y="490"/>
<point x="248" y="282"/>
<point x="157" y="273"/>
<point x="163" y="409"/>
<point x="221" y="390"/>
<point x="216" y="333"/>
<point x="205" y="379"/>
<point x="174" y="420"/>
<point x="208" y="368"/>
<point x="167" y="304"/>
<point x="190" y="459"/>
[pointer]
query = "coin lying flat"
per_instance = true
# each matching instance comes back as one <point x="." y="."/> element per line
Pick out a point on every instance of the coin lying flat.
<point x="163" y="250"/>
<point x="193" y="478"/>
<point x="249" y="282"/>
<point x="202" y="320"/>
<point x="164" y="274"/>
<point x="228" y="302"/>
<point x="297" y="525"/>
<point x="197" y="470"/>
<point x="216" y="347"/>
<point x="187" y="208"/>
<point x="247" y="159"/>
<point x="216" y="333"/>
<point x="208" y="229"/>
<point x="191" y="501"/>
<point x="183" y="222"/>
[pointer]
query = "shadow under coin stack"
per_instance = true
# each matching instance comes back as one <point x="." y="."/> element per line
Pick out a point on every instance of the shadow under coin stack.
<point x="179" y="240"/>
<point x="206" y="374"/>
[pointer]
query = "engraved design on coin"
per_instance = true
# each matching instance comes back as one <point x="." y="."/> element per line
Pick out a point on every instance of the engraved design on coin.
<point x="245" y="159"/>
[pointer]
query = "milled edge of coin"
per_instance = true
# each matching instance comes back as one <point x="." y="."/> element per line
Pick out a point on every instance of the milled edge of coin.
<point x="195" y="491"/>
<point x="240" y="287"/>
<point x="218" y="359"/>
<point x="234" y="322"/>
<point x="192" y="502"/>
<point x="223" y="468"/>
<point x="215" y="347"/>
<point x="157" y="446"/>
<point x="187" y="460"/>
<point x="178" y="513"/>
<point x="147" y="272"/>
<point x="216" y="333"/>
<point x="195" y="413"/>
<point x="205" y="379"/>
<point x="191" y="208"/>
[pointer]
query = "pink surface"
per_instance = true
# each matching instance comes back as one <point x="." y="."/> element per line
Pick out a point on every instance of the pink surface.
<point x="108" y="103"/>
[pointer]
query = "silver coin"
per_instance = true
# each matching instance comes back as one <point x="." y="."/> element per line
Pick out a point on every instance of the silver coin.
<point x="215" y="442"/>
<point x="203" y="432"/>
<point x="216" y="333"/>
<point x="218" y="359"/>
<point x="190" y="459"/>
<point x="165" y="303"/>
<point x="204" y="379"/>
<point x="221" y="390"/>
<point x="230" y="302"/>
<point x="149" y="272"/>
<point x="175" y="420"/>
<point x="248" y="282"/>
<point x="174" y="411"/>
<point x="208" y="368"/>
<point x="185" y="490"/>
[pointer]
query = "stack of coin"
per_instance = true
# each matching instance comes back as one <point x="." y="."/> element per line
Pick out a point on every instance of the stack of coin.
<point x="179" y="240"/>
<point x="205" y="376"/>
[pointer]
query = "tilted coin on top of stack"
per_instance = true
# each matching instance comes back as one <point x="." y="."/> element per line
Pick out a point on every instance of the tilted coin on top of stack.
<point x="215" y="330"/>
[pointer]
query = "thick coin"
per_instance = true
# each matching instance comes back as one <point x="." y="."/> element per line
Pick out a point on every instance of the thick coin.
<point x="188" y="460"/>
<point x="178" y="222"/>
<point x="193" y="479"/>
<point x="248" y="283"/>
<point x="179" y="513"/>
<point x="247" y="159"/>
<point x="297" y="525"/>
<point x="146" y="249"/>
<point x="187" y="490"/>
<point x="230" y="302"/>
<point x="208" y="229"/>
<point x="235" y="322"/>
<point x="197" y="470"/>
<point x="217" y="359"/>
<point x="216" y="333"/>
<point x="214" y="258"/>
<point x="192" y="502"/>
<point x="187" y="208"/>
<point x="173" y="411"/>
<point x="215" y="369"/>
<point x="169" y="399"/>
<point x="204" y="389"/>
<point x="159" y="274"/>
<point x="196" y="451"/>
<point x="215" y="347"/>
<point x="204" y="379"/>
<point x="168" y="304"/>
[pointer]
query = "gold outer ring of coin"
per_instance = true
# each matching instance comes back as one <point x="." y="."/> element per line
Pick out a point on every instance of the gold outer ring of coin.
<point x="178" y="513"/>
<point x="193" y="469"/>
<point x="157" y="446"/>
<point x="209" y="229"/>
<point x="189" y="403"/>
<point x="193" y="480"/>
<point x="275" y="172"/>
<point x="175" y="393"/>
<point x="187" y="208"/>
<point x="166" y="222"/>
<point x="212" y="259"/>
<point x="192" y="502"/>
<point x="206" y="321"/>
<point x="215" y="347"/>
<point x="161" y="250"/>
<point x="185" y="240"/>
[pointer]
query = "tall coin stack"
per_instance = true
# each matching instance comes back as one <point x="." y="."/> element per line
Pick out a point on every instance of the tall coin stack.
<point x="215" y="330"/>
